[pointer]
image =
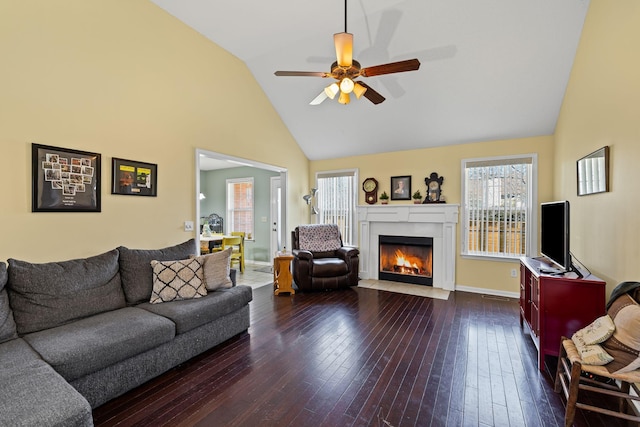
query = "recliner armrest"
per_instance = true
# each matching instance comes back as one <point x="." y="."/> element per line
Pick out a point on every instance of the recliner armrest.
<point x="302" y="254"/>
<point x="348" y="252"/>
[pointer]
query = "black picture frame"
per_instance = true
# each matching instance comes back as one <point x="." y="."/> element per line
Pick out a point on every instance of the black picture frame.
<point x="64" y="180"/>
<point x="401" y="187"/>
<point x="592" y="172"/>
<point x="134" y="178"/>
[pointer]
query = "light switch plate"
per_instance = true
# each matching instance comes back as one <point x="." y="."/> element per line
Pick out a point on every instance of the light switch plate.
<point x="188" y="226"/>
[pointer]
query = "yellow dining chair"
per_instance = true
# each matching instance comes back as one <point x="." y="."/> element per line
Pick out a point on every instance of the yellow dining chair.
<point x="241" y="234"/>
<point x="237" y="253"/>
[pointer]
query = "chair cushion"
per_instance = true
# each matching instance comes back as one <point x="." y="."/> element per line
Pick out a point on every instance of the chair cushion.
<point x="189" y="314"/>
<point x="136" y="271"/>
<point x="91" y="344"/>
<point x="177" y="280"/>
<point x="329" y="267"/>
<point x="624" y="345"/>
<point x="48" y="295"/>
<point x="7" y="324"/>
<point x="319" y="237"/>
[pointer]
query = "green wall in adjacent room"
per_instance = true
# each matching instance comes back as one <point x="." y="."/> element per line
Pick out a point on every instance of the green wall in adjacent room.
<point x="213" y="186"/>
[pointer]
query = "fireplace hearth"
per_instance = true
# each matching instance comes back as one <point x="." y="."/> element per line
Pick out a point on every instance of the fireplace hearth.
<point x="406" y="259"/>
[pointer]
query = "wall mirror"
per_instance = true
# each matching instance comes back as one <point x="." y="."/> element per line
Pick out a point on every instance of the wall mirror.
<point x="593" y="172"/>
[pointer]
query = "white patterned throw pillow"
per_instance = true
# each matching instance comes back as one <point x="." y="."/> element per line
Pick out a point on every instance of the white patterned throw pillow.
<point x="177" y="280"/>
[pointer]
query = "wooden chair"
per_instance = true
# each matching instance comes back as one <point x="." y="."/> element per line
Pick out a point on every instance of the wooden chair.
<point x="237" y="253"/>
<point x="570" y="380"/>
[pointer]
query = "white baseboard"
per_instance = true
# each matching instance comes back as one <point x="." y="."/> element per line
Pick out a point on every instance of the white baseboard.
<point x="515" y="295"/>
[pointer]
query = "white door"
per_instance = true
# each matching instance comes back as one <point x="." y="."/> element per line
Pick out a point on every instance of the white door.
<point x="276" y="215"/>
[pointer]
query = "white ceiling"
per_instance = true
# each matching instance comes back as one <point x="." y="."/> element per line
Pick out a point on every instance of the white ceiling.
<point x="491" y="69"/>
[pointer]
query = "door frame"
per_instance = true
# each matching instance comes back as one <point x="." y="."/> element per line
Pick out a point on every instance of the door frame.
<point x="238" y="161"/>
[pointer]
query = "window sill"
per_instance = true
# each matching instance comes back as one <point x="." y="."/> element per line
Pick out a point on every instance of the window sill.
<point x="491" y="258"/>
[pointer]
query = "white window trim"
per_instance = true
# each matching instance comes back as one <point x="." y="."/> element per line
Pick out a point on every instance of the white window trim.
<point x="531" y="246"/>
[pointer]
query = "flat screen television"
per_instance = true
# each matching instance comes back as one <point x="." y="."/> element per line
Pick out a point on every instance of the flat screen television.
<point x="554" y="239"/>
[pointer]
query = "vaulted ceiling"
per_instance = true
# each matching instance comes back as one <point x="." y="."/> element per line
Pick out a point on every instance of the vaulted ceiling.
<point x="490" y="69"/>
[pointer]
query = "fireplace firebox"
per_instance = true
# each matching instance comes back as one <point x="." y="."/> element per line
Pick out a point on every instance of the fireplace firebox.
<point x="406" y="259"/>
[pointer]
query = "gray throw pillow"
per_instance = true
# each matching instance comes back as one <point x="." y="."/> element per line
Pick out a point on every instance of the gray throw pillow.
<point x="7" y="324"/>
<point x="47" y="295"/>
<point x="136" y="270"/>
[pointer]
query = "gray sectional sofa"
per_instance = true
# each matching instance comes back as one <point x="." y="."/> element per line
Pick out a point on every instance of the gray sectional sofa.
<point x="78" y="333"/>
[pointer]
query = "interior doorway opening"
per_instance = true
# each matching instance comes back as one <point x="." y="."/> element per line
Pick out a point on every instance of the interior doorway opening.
<point x="270" y="206"/>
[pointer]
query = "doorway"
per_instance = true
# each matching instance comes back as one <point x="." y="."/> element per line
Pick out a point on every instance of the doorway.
<point x="263" y="244"/>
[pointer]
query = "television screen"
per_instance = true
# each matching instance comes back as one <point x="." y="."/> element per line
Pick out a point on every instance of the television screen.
<point x="554" y="239"/>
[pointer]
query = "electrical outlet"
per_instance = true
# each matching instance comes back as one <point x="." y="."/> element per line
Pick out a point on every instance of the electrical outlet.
<point x="514" y="272"/>
<point x="188" y="226"/>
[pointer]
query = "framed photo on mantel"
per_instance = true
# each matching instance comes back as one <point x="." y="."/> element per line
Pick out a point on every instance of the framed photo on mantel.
<point x="401" y="187"/>
<point x="64" y="180"/>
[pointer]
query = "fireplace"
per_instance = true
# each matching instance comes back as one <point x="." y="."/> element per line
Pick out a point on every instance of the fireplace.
<point x="406" y="259"/>
<point x="436" y="220"/>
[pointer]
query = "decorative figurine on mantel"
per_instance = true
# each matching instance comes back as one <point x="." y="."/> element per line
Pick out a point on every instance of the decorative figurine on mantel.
<point x="434" y="189"/>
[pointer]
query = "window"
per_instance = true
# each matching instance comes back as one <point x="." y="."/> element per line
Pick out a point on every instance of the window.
<point x="240" y="206"/>
<point x="498" y="215"/>
<point x="337" y="197"/>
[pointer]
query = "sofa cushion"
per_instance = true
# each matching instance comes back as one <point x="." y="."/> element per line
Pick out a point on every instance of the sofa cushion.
<point x="7" y="324"/>
<point x="48" y="295"/>
<point x="136" y="271"/>
<point x="217" y="268"/>
<point x="190" y="314"/>
<point x="177" y="280"/>
<point x="90" y="344"/>
<point x="33" y="394"/>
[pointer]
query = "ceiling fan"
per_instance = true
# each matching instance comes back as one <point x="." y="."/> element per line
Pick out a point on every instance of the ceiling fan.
<point x="346" y="70"/>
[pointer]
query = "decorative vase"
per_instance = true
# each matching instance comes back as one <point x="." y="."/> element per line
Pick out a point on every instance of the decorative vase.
<point x="384" y="201"/>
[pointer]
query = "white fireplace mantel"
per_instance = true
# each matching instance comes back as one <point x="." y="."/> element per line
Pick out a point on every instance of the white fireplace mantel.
<point x="436" y="220"/>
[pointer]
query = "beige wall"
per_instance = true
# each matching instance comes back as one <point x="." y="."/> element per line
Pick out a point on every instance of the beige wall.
<point x="124" y="79"/>
<point x="446" y="161"/>
<point x="602" y="107"/>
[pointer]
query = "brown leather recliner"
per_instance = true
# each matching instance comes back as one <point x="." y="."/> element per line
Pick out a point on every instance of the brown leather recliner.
<point x="323" y="269"/>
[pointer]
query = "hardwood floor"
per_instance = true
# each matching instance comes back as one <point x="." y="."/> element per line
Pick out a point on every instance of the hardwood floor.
<point x="358" y="357"/>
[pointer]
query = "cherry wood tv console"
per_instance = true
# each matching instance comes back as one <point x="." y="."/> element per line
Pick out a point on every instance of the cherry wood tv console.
<point x="552" y="306"/>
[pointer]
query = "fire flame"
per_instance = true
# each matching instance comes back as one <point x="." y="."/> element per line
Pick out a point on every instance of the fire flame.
<point x="402" y="262"/>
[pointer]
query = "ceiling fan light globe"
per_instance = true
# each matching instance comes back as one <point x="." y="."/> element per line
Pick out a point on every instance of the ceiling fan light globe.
<point x="344" y="98"/>
<point x="344" y="48"/>
<point x="332" y="90"/>
<point x="359" y="90"/>
<point x="346" y="85"/>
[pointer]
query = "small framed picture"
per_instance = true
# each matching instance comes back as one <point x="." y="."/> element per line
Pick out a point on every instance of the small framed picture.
<point x="401" y="187"/>
<point x="56" y="188"/>
<point x="133" y="178"/>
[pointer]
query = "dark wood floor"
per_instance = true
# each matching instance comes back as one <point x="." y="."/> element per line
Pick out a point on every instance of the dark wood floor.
<point x="358" y="357"/>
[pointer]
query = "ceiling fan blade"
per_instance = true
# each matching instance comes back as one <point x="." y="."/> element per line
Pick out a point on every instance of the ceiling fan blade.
<point x="318" y="100"/>
<point x="392" y="67"/>
<point x="344" y="48"/>
<point x="302" y="73"/>
<point x="371" y="94"/>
